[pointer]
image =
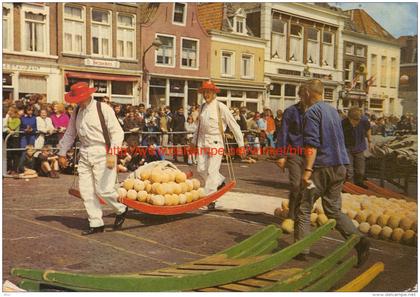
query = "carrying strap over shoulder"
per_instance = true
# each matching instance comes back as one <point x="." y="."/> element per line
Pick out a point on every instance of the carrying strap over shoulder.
<point x="103" y="125"/>
<point x="199" y="124"/>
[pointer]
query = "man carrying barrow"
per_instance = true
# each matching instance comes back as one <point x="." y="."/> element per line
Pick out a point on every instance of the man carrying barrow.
<point x="212" y="122"/>
<point x="98" y="129"/>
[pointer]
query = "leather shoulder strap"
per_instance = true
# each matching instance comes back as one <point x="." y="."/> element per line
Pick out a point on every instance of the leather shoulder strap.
<point x="103" y="125"/>
<point x="199" y="124"/>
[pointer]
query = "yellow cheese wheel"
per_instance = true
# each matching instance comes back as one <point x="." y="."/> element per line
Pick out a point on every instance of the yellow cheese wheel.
<point x="132" y="194"/>
<point x="168" y="199"/>
<point x="372" y="218"/>
<point x="375" y="230"/>
<point x="365" y="205"/>
<point x="189" y="197"/>
<point x="165" y="177"/>
<point x="406" y="223"/>
<point x="148" y="188"/>
<point x="156" y="176"/>
<point x="149" y="198"/>
<point x="355" y="223"/>
<point x="351" y="213"/>
<point x="288" y="226"/>
<point x="397" y="234"/>
<point x="195" y="195"/>
<point x="128" y="184"/>
<point x="161" y="189"/>
<point x="361" y="216"/>
<point x="322" y="219"/>
<point x="285" y="204"/>
<point x="175" y="199"/>
<point x="196" y="183"/>
<point x="414" y="226"/>
<point x="386" y="232"/>
<point x="142" y="196"/>
<point x="412" y="205"/>
<point x="364" y="227"/>
<point x="394" y="221"/>
<point x="177" y="189"/>
<point x="145" y="175"/>
<point x="171" y="176"/>
<point x="281" y="213"/>
<point x="158" y="200"/>
<point x="122" y="193"/>
<point x="201" y="193"/>
<point x="408" y="236"/>
<point x="182" y="199"/>
<point x="139" y="185"/>
<point x="314" y="217"/>
<point x="184" y="187"/>
<point x="190" y="185"/>
<point x="180" y="177"/>
<point x="383" y="220"/>
<point x="154" y="187"/>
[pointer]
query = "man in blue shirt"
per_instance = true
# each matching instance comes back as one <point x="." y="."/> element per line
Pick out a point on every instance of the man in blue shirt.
<point x="325" y="170"/>
<point x="356" y="128"/>
<point x="289" y="143"/>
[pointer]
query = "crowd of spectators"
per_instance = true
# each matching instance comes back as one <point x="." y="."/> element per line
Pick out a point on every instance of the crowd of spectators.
<point x="37" y="126"/>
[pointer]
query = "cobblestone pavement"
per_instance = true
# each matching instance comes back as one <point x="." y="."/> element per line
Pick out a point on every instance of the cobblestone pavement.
<point x="42" y="225"/>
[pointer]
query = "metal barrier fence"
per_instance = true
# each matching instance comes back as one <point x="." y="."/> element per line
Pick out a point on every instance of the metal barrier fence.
<point x="140" y="133"/>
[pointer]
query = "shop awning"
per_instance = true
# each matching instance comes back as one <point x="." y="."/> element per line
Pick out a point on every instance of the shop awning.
<point x="101" y="76"/>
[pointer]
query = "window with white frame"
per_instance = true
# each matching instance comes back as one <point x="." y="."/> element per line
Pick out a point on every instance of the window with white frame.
<point x="179" y="13"/>
<point x="278" y="37"/>
<point x="101" y="33"/>
<point x="240" y="25"/>
<point x="227" y="64"/>
<point x="393" y="78"/>
<point x="376" y="103"/>
<point x="360" y="51"/>
<point x="35" y="32"/>
<point x="74" y="29"/>
<point x="296" y="43"/>
<point x="126" y="36"/>
<point x="328" y="94"/>
<point x="313" y="46"/>
<point x="383" y="71"/>
<point x="166" y="52"/>
<point x="247" y="66"/>
<point x="348" y="71"/>
<point x="7" y="27"/>
<point x="328" y="49"/>
<point x="349" y="49"/>
<point x="374" y="66"/>
<point x="189" y="53"/>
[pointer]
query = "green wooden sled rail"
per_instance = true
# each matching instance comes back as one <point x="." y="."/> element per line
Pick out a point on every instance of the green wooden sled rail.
<point x="195" y="275"/>
<point x="331" y="278"/>
<point x="309" y="275"/>
<point x="250" y="246"/>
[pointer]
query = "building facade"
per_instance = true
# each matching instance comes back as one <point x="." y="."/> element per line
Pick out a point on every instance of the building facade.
<point x="99" y="43"/>
<point x="304" y="41"/>
<point x="178" y="67"/>
<point x="30" y="51"/>
<point x="237" y="57"/>
<point x="408" y="74"/>
<point x="377" y="85"/>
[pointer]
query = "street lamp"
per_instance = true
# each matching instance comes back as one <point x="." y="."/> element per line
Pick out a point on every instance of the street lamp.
<point x="157" y="44"/>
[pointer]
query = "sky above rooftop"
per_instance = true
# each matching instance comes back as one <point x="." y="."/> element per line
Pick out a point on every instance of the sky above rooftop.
<point x="398" y="18"/>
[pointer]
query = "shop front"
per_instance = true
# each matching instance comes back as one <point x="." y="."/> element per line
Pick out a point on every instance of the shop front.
<point x="121" y="89"/>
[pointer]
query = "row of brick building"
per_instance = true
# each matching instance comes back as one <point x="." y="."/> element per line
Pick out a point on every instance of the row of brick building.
<point x="257" y="53"/>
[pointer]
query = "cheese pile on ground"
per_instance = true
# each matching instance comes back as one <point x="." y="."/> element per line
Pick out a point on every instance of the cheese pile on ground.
<point x="379" y="217"/>
<point x="161" y="183"/>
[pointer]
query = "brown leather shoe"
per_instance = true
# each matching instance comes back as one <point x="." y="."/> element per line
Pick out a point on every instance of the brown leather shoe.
<point x="93" y="230"/>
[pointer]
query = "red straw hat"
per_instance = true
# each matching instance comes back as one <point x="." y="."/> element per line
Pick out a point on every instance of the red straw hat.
<point x="208" y="85"/>
<point x="79" y="92"/>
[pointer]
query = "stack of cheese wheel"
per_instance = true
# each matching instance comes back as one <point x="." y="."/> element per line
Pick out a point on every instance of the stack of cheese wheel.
<point x="161" y="185"/>
<point x="383" y="218"/>
<point x="379" y="217"/>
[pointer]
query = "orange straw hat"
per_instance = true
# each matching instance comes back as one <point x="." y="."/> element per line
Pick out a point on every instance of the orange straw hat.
<point x="208" y="85"/>
<point x="79" y="92"/>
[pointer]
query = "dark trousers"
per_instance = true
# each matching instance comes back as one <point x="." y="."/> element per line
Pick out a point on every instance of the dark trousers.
<point x="329" y="183"/>
<point x="295" y="165"/>
<point x="356" y="168"/>
<point x="13" y="157"/>
<point x="180" y="139"/>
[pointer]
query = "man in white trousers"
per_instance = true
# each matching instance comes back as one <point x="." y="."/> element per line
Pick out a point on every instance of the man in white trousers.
<point x="208" y="138"/>
<point x="98" y="128"/>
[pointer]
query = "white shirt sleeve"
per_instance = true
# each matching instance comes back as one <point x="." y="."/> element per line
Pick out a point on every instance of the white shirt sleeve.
<point x="40" y="125"/>
<point x="116" y="133"/>
<point x="232" y="124"/>
<point x="69" y="136"/>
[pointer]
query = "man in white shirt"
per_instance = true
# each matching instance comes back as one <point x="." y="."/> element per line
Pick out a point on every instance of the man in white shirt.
<point x="96" y="168"/>
<point x="208" y="138"/>
<point x="44" y="126"/>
